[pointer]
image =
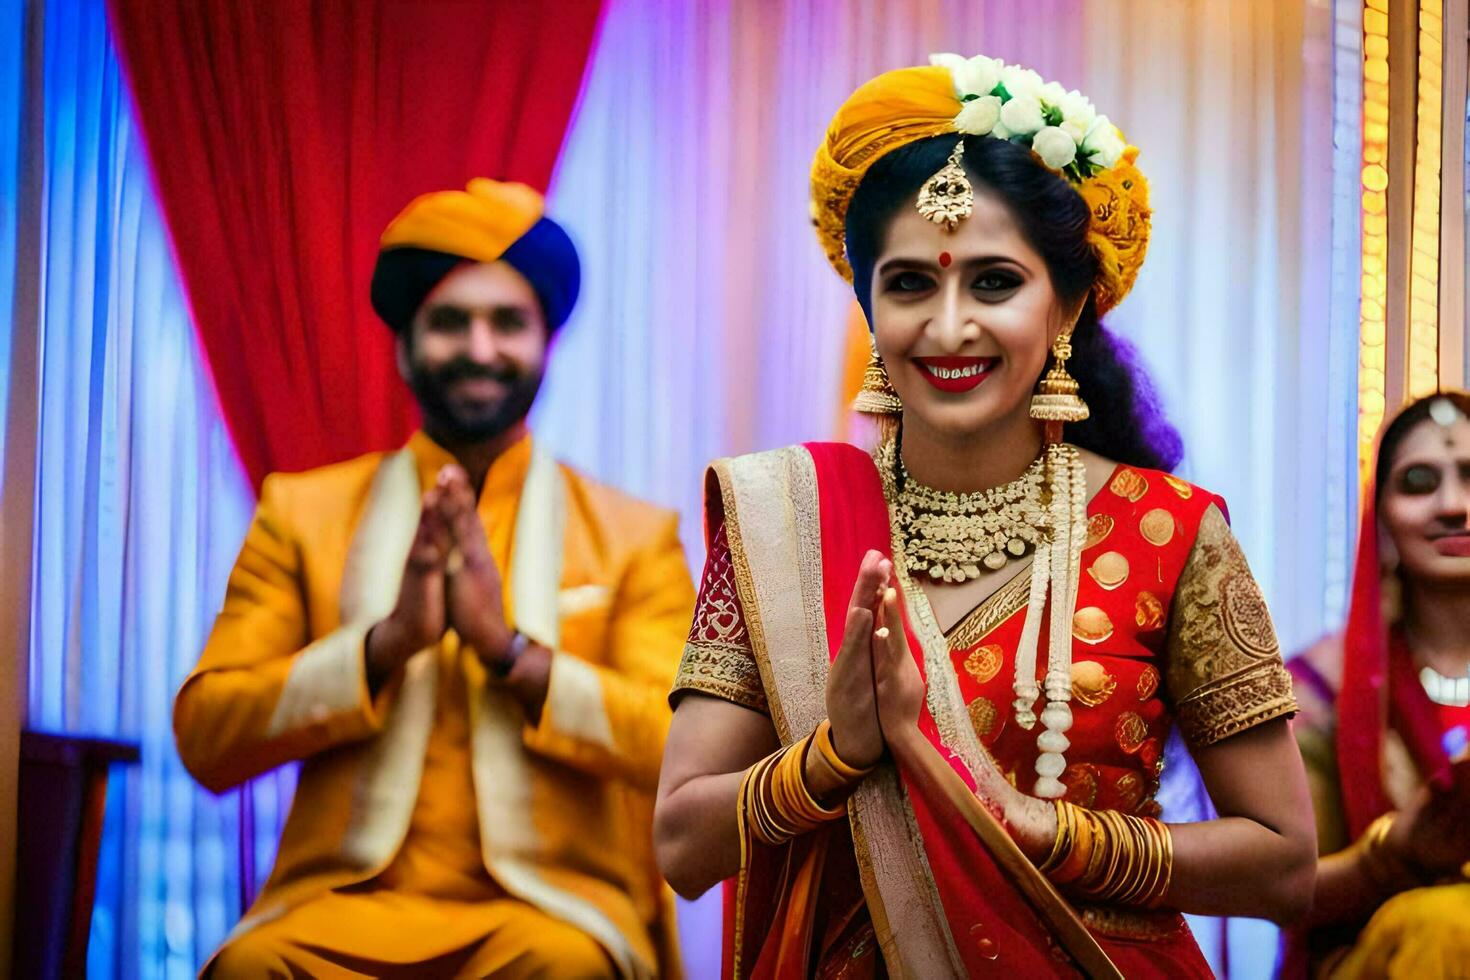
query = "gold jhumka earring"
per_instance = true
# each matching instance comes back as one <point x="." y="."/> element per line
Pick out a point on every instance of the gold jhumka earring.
<point x="876" y="396"/>
<point x="878" y="399"/>
<point x="1056" y="400"/>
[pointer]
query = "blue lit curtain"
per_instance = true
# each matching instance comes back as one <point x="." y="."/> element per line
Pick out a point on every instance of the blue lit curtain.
<point x="140" y="507"/>
<point x="12" y="78"/>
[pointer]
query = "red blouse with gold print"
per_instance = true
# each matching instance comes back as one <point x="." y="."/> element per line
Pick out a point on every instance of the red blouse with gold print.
<point x="1170" y="628"/>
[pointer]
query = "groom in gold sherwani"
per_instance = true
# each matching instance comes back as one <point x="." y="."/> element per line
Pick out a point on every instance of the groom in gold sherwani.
<point x="466" y="644"/>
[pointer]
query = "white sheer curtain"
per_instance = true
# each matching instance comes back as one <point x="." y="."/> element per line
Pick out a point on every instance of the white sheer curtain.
<point x="1232" y="105"/>
<point x="710" y="323"/>
<point x="140" y="508"/>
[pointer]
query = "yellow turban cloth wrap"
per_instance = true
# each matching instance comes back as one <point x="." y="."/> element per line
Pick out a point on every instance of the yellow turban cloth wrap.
<point x="488" y="221"/>
<point x="478" y="223"/>
<point x="910" y="104"/>
<point x="892" y="110"/>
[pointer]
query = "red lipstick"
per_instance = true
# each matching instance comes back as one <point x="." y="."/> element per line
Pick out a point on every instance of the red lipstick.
<point x="956" y="374"/>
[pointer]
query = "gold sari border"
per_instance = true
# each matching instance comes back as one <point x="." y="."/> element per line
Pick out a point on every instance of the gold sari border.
<point x="1141" y="925"/>
<point x="762" y="527"/>
<point x="992" y="611"/>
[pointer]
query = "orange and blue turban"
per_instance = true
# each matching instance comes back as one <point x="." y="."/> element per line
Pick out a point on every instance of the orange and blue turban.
<point x="488" y="221"/>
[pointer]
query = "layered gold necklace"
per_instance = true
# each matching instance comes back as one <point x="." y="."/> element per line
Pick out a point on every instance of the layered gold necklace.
<point x="952" y="535"/>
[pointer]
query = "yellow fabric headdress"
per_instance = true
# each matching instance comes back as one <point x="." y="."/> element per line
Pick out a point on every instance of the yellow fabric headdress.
<point x="478" y="223"/>
<point x="488" y="221"/>
<point x="981" y="96"/>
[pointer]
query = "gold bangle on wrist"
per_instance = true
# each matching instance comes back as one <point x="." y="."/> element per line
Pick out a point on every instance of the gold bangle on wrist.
<point x="1084" y="839"/>
<point x="1072" y="848"/>
<point x="1062" y="845"/>
<point x="1166" y="848"/>
<point x="1385" y="868"/>
<point x="823" y="741"/>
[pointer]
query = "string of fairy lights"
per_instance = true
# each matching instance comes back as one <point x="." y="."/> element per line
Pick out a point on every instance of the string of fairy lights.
<point x="1417" y="370"/>
<point x="1373" y="332"/>
<point x="1423" y="337"/>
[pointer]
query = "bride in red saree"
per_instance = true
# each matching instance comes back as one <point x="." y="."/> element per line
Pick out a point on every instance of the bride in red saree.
<point x="920" y="720"/>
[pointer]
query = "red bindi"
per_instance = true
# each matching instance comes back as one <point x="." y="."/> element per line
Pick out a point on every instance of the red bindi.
<point x="944" y="260"/>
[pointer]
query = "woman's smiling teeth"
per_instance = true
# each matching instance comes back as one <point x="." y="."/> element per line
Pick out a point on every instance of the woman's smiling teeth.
<point x="964" y="372"/>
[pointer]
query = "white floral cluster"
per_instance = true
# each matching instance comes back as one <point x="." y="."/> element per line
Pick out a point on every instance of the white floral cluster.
<point x="1013" y="103"/>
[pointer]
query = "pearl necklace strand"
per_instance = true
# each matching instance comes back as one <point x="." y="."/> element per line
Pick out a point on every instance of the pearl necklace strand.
<point x="1058" y="561"/>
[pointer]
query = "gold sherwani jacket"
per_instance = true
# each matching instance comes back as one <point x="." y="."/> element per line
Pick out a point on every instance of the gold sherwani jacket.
<point x="564" y="805"/>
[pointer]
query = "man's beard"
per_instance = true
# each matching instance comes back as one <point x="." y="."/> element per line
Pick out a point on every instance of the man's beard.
<point x="452" y="423"/>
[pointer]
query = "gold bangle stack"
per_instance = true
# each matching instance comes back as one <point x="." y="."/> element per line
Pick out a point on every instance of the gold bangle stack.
<point x="774" y="799"/>
<point x="1111" y="857"/>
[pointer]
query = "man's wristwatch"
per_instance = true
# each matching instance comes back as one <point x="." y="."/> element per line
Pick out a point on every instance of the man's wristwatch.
<point x="501" y="668"/>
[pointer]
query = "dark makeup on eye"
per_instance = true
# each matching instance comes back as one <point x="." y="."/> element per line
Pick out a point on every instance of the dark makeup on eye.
<point x="992" y="276"/>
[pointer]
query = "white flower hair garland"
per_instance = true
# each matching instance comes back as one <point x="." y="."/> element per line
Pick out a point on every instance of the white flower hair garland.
<point x="1013" y="103"/>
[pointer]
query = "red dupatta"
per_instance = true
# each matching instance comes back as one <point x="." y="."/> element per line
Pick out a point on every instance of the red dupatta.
<point x="1379" y="690"/>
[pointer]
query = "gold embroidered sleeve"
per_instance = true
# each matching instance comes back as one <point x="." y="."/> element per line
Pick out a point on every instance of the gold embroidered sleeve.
<point x="1223" y="665"/>
<point x="718" y="659"/>
<point x="726" y="672"/>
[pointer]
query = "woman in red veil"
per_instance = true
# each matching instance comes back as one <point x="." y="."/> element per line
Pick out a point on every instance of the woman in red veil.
<point x="1385" y="718"/>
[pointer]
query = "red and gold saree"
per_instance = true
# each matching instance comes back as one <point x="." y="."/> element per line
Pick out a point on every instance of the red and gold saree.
<point x="1170" y="628"/>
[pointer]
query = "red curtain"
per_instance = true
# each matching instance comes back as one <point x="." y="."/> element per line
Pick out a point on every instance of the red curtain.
<point x="284" y="135"/>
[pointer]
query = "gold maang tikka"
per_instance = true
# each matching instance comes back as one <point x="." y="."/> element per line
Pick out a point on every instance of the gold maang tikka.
<point x="947" y="197"/>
